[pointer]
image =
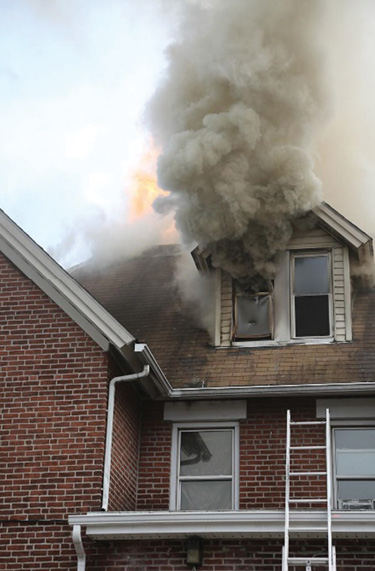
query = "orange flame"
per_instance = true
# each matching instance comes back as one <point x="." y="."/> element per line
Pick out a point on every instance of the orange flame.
<point x="143" y="185"/>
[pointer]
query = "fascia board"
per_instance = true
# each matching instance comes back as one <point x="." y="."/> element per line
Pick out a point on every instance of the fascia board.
<point x="261" y="391"/>
<point x="51" y="278"/>
<point x="230" y="524"/>
<point x="341" y="227"/>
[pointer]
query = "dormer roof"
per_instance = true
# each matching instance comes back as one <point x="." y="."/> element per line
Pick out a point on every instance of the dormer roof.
<point x="325" y="217"/>
<point x="343" y="230"/>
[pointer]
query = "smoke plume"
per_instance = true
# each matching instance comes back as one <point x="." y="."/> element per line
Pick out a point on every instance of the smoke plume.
<point x="235" y="118"/>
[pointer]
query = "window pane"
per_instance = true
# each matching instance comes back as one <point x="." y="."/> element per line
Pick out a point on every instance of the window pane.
<point x="312" y="316"/>
<point x="355" y="462"/>
<point x="207" y="495"/>
<point x="206" y="453"/>
<point x="355" y="439"/>
<point x="311" y="275"/>
<point x="356" y="489"/>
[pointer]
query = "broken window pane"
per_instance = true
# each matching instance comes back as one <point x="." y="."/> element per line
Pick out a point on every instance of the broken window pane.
<point x="253" y="316"/>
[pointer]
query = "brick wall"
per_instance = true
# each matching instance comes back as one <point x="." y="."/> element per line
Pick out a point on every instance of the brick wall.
<point x="54" y="390"/>
<point x="262" y="454"/>
<point x="223" y="555"/>
<point x="125" y="449"/>
<point x="154" y="461"/>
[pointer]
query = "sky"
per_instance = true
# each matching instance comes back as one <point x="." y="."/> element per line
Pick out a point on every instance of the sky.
<point x="75" y="76"/>
<point x="74" y="79"/>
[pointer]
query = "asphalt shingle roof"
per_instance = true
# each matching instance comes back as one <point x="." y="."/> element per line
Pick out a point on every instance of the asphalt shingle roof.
<point x="141" y="293"/>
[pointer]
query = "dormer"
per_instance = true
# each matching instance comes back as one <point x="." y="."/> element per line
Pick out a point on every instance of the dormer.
<point x="309" y="299"/>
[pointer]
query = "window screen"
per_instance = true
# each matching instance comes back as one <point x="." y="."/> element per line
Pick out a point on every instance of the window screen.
<point x="253" y="316"/>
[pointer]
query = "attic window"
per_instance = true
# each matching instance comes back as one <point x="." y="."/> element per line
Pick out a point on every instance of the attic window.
<point x="311" y="295"/>
<point x="253" y="316"/>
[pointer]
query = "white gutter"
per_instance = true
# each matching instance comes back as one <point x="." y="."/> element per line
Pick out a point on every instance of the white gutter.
<point x="81" y="555"/>
<point x="224" y="524"/>
<point x="110" y="412"/>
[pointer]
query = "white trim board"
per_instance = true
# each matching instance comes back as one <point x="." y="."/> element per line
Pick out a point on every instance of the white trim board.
<point x="223" y="524"/>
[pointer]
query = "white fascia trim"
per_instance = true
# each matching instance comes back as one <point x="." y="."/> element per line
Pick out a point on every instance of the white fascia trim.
<point x="68" y="294"/>
<point x="353" y="235"/>
<point x="229" y="524"/>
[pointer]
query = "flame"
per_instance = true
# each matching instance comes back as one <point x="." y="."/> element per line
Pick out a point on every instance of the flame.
<point x="143" y="185"/>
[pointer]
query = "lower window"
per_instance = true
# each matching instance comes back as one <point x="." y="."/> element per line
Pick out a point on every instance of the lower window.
<point x="355" y="467"/>
<point x="204" y="468"/>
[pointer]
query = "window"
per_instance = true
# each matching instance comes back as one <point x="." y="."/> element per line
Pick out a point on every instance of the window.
<point x="311" y="302"/>
<point x="204" y="467"/>
<point x="253" y="316"/>
<point x="355" y="467"/>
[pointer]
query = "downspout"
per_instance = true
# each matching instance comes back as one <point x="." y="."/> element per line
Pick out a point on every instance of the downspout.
<point x="81" y="555"/>
<point x="110" y="413"/>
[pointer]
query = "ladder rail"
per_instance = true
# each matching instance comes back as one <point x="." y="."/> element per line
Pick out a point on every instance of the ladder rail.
<point x="287" y="496"/>
<point x="329" y="491"/>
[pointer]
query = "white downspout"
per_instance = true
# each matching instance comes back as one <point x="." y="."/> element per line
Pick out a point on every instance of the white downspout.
<point x="108" y="443"/>
<point x="81" y="555"/>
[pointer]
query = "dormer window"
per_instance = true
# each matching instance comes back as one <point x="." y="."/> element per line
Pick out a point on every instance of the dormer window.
<point x="311" y="295"/>
<point x="310" y="298"/>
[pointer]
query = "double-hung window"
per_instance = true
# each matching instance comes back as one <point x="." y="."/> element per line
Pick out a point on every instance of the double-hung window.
<point x="354" y="452"/>
<point x="311" y="295"/>
<point x="204" y="467"/>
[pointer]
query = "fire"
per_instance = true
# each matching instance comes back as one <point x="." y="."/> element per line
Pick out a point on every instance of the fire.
<point x="143" y="185"/>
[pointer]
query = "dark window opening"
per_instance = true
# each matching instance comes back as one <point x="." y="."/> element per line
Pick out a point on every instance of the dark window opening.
<point x="312" y="316"/>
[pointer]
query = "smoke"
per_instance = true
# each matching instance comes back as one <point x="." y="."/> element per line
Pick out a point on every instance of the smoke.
<point x="235" y="118"/>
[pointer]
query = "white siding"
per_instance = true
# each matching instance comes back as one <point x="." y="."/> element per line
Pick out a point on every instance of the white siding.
<point x="226" y="309"/>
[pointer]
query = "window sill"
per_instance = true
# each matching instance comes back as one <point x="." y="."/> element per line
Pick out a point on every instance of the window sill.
<point x="275" y="343"/>
<point x="230" y="524"/>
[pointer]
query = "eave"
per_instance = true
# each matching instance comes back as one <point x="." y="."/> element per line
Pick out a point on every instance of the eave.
<point x="341" y="228"/>
<point x="61" y="288"/>
<point x="225" y="524"/>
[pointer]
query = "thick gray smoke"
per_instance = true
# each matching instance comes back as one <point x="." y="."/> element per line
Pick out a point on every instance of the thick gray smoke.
<point x="235" y="118"/>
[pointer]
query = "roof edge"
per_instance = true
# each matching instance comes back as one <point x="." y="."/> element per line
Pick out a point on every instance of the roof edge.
<point x="60" y="286"/>
<point x="341" y="228"/>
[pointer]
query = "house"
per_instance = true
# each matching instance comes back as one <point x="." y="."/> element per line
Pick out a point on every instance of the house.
<point x="134" y="439"/>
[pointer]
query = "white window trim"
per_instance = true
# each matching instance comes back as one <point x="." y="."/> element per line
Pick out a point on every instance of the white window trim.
<point x="310" y="254"/>
<point x="174" y="484"/>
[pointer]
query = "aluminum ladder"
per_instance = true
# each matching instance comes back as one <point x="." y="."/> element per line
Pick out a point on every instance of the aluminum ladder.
<point x="329" y="560"/>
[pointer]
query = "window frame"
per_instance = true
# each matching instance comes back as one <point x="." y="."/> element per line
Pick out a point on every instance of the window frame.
<point x="311" y="254"/>
<point x="347" y="425"/>
<point x="178" y="428"/>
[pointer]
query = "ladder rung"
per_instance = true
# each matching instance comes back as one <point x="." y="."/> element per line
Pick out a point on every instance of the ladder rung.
<point x="307" y="473"/>
<point x="308" y="447"/>
<point x="311" y="501"/>
<point x="307" y="422"/>
<point x="305" y="560"/>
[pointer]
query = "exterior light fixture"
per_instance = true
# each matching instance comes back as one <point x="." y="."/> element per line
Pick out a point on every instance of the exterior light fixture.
<point x="194" y="555"/>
